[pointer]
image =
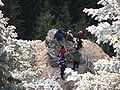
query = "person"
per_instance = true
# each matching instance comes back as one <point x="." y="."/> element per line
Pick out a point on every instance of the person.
<point x="75" y="56"/>
<point x="62" y="65"/>
<point x="69" y="31"/>
<point x="59" y="35"/>
<point x="62" y="52"/>
<point x="69" y="35"/>
<point x="78" y="39"/>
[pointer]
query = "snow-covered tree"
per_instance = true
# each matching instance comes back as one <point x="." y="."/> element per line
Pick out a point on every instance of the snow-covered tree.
<point x="7" y="35"/>
<point x="105" y="31"/>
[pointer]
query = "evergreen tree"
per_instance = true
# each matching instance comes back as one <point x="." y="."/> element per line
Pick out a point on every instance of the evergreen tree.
<point x="107" y="30"/>
<point x="12" y="9"/>
<point x="7" y="63"/>
<point x="24" y="15"/>
<point x="59" y="9"/>
<point x="43" y="24"/>
<point x="31" y="10"/>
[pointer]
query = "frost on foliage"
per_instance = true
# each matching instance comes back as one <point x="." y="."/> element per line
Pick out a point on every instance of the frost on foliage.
<point x="20" y="57"/>
<point x="112" y="66"/>
<point x="109" y="11"/>
<point x="17" y="56"/>
<point x="48" y="84"/>
<point x="4" y="35"/>
<point x="27" y="75"/>
<point x="104" y="81"/>
<point x="35" y="80"/>
<point x="108" y="77"/>
<point x="104" y="31"/>
<point x="1" y="4"/>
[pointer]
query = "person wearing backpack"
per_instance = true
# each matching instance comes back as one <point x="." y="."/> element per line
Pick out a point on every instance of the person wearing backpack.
<point x="69" y="35"/>
<point x="78" y="39"/>
<point x="59" y="35"/>
<point x="62" y="66"/>
<point x="62" y="52"/>
<point x="75" y="56"/>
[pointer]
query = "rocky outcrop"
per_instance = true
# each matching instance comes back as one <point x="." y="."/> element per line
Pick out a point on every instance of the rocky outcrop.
<point x="47" y="57"/>
<point x="91" y="52"/>
<point x="54" y="46"/>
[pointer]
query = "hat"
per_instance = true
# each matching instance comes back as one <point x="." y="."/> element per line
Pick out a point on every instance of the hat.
<point x="70" y="30"/>
<point x="81" y="33"/>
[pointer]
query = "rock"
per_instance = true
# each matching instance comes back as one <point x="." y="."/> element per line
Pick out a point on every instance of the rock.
<point x="91" y="52"/>
<point x="50" y="35"/>
<point x="68" y="85"/>
<point x="54" y="46"/>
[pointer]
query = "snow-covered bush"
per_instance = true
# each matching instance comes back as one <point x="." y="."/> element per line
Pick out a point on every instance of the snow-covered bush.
<point x="104" y="81"/>
<point x="111" y="65"/>
<point x="16" y="53"/>
<point x="87" y="81"/>
<point x="43" y="84"/>
<point x="24" y="52"/>
<point x="104" y="31"/>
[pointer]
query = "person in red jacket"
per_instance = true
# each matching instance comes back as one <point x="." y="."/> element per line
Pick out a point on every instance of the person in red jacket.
<point x="62" y="62"/>
<point x="62" y="52"/>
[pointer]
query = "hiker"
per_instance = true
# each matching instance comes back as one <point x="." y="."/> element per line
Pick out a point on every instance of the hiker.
<point x="62" y="65"/>
<point x="59" y="35"/>
<point x="62" y="52"/>
<point x="69" y="30"/>
<point x="78" y="39"/>
<point x="69" y="35"/>
<point x="75" y="56"/>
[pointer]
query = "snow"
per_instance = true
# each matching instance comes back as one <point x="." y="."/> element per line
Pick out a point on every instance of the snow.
<point x="73" y="74"/>
<point x="1" y="4"/>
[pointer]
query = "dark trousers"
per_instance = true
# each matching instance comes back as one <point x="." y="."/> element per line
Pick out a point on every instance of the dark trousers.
<point x="75" y="65"/>
<point x="62" y="73"/>
<point x="79" y="45"/>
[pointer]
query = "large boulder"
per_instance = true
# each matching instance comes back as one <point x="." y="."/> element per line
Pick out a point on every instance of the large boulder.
<point x="91" y="52"/>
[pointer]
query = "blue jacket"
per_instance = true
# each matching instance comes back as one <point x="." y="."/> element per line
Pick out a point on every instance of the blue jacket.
<point x="59" y="35"/>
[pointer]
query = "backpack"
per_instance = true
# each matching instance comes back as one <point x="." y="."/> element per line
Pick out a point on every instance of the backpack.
<point x="59" y="35"/>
